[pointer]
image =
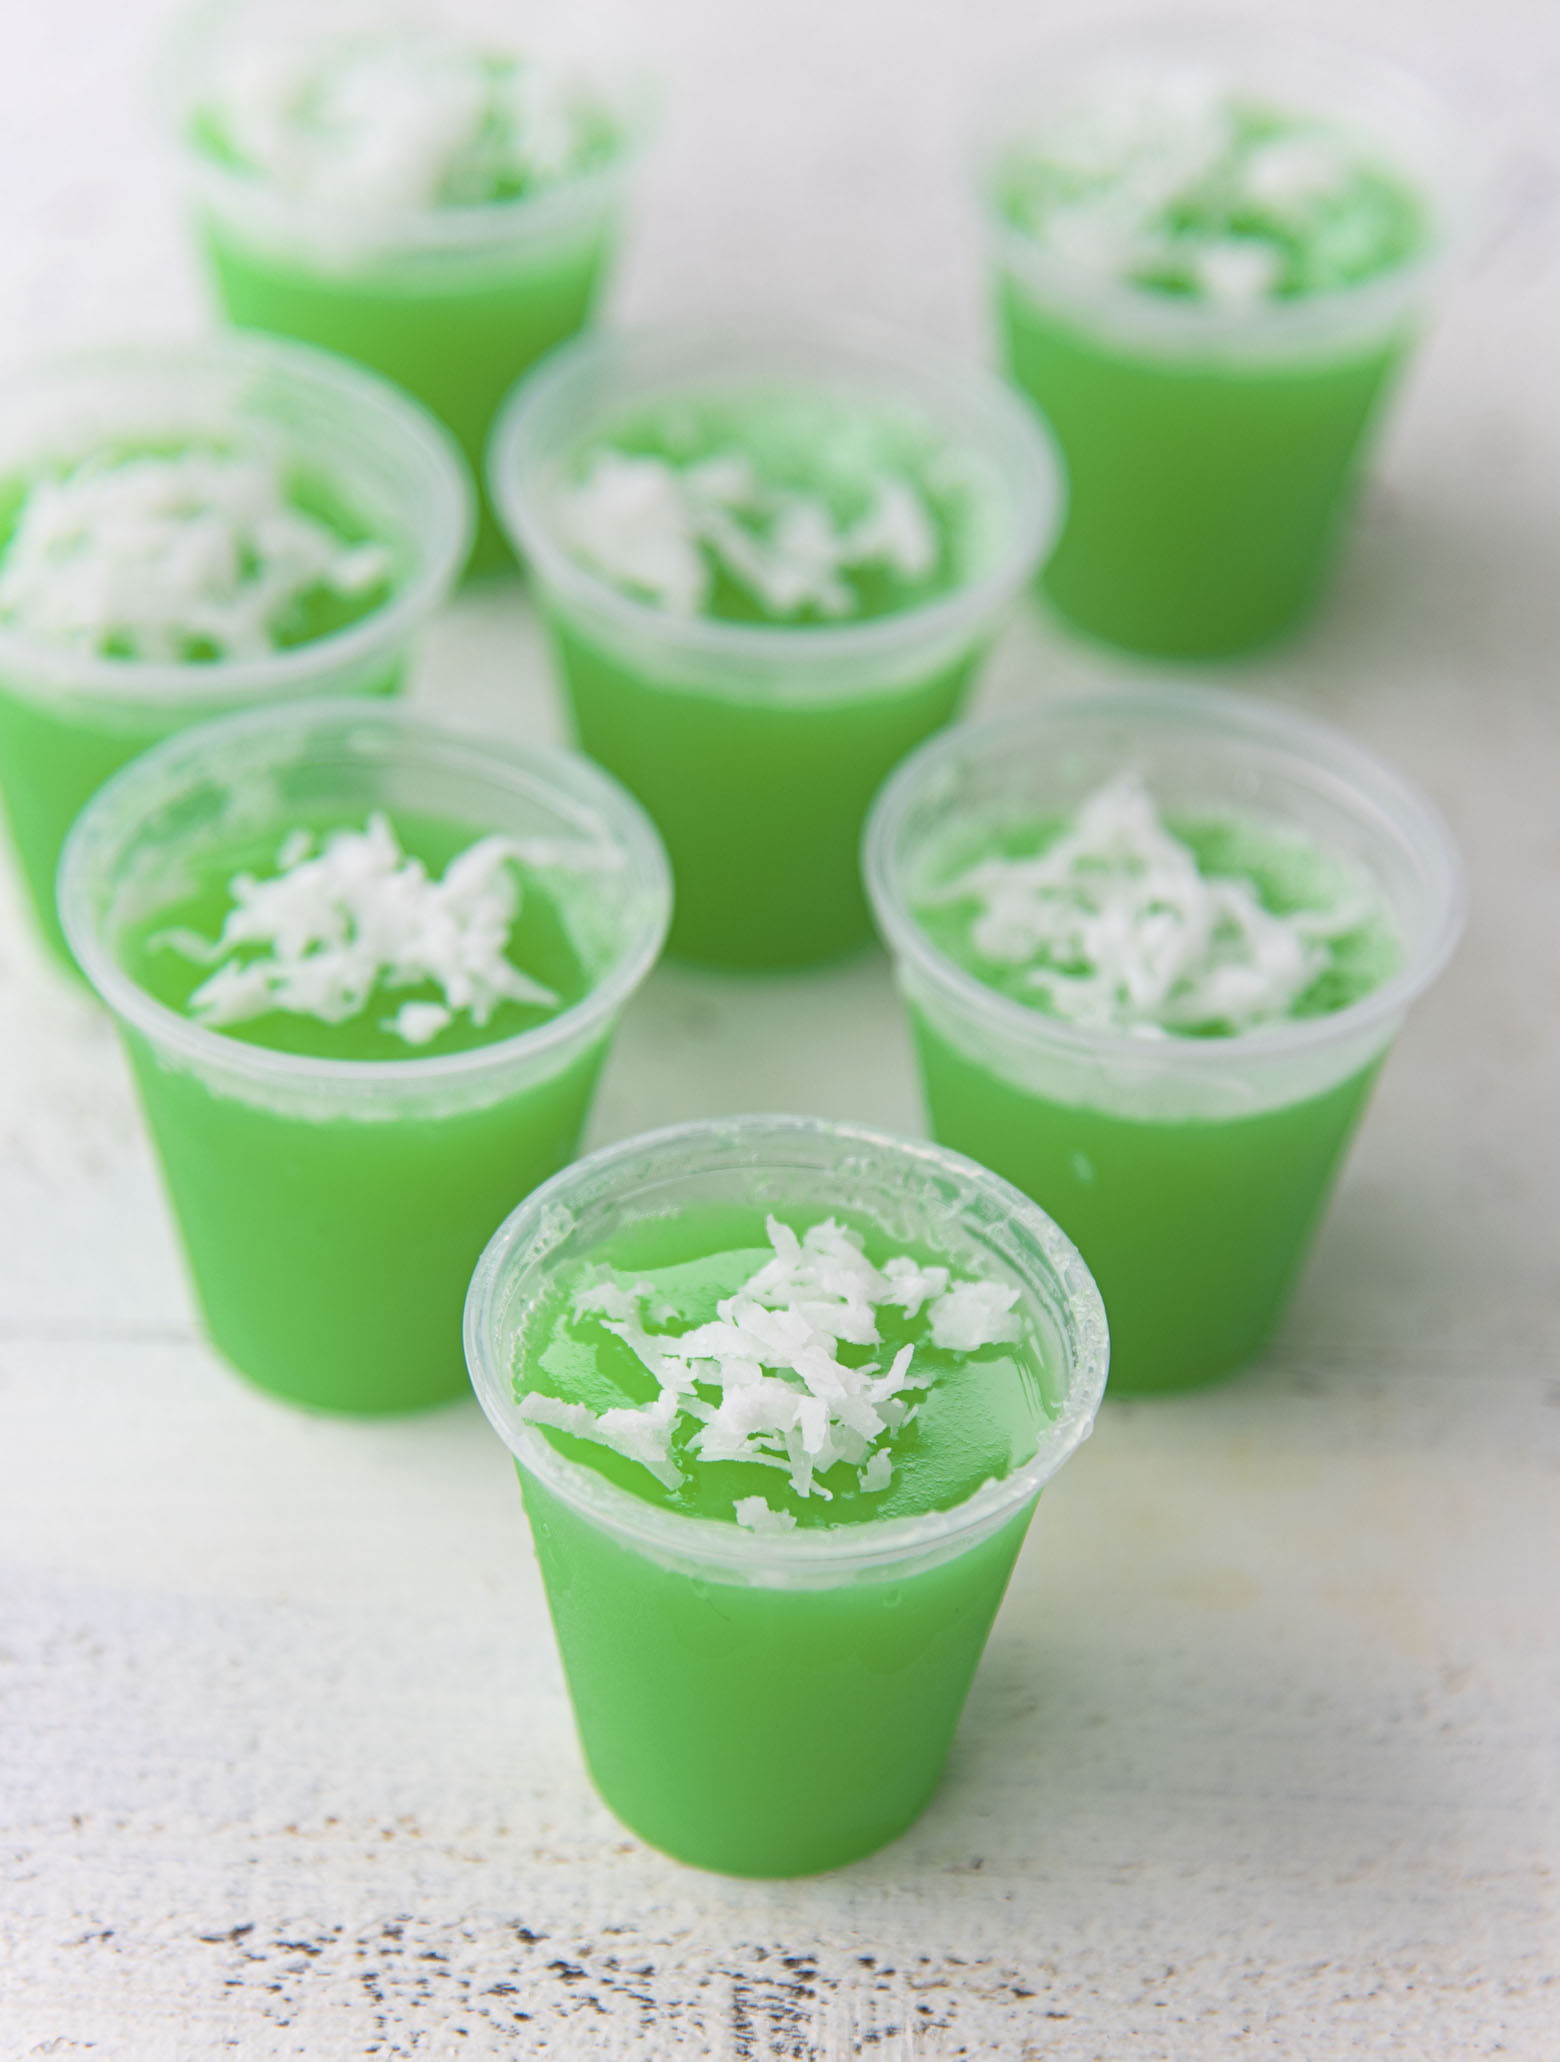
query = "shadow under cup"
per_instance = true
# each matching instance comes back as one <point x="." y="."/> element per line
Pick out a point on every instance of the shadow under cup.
<point x="332" y="1209"/>
<point x="1192" y="1172"/>
<point x="776" y="1704"/>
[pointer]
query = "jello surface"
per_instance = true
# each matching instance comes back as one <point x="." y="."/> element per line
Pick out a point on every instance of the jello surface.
<point x="1119" y="921"/>
<point x="1176" y="183"/>
<point x="371" y="940"/>
<point x="782" y="1372"/>
<point x="192" y="556"/>
<point x="790" y="507"/>
<point x="402" y="119"/>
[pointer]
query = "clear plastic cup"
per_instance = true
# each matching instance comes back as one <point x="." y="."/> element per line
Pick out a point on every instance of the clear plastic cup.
<point x="1192" y="1172"/>
<point x="332" y="1210"/>
<point x="774" y="1705"/>
<point x="756" y="746"/>
<point x="1213" y="450"/>
<point x="451" y="302"/>
<point x="68" y="719"/>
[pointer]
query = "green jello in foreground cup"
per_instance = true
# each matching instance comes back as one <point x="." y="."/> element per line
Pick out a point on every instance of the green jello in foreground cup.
<point x="189" y="529"/>
<point x="366" y="972"/>
<point x="436" y="199"/>
<point x="1155" y="945"/>
<point x="770" y="562"/>
<point x="1214" y="246"/>
<point x="782" y="1395"/>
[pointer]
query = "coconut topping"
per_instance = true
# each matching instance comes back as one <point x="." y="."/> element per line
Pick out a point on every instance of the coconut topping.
<point x="1117" y="928"/>
<point x="665" y="531"/>
<point x="336" y="926"/>
<point x="764" y="1382"/>
<point x="376" y="125"/>
<point x="197" y="555"/>
<point x="1170" y="178"/>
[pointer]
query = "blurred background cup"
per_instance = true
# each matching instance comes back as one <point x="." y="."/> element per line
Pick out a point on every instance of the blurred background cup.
<point x="332" y="1209"/>
<point x="70" y="717"/>
<point x="756" y="745"/>
<point x="1214" y="443"/>
<point x="775" y="1704"/>
<point x="344" y="187"/>
<point x="1191" y="1171"/>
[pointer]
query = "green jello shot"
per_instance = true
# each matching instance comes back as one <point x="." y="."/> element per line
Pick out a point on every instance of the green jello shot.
<point x="1155" y="944"/>
<point x="1214" y="247"/>
<point x="435" y="198"/>
<point x="782" y="1395"/>
<point x="366" y="972"/>
<point x="769" y="562"/>
<point x="191" y="529"/>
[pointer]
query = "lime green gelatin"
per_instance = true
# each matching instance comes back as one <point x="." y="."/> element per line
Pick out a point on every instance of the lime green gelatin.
<point x="759" y="801"/>
<point x="438" y="211"/>
<point x="758" y="787"/>
<point x="59" y="744"/>
<point x="330" y="1248"/>
<point x="770" y="1728"/>
<point x="457" y="334"/>
<point x="1208" y="499"/>
<point x="1195" y="1231"/>
<point x="1195" y="1227"/>
<point x="1213" y="457"/>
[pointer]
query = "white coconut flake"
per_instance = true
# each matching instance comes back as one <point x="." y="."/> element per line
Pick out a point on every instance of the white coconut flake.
<point x="419" y="1023"/>
<point x="663" y="532"/>
<point x="780" y="1394"/>
<point x="638" y="1435"/>
<point x="755" y="1514"/>
<point x="1119" y="930"/>
<point x="168" y="558"/>
<point x="1237" y="272"/>
<point x="1292" y="173"/>
<point x="974" y="1314"/>
<point x="332" y="929"/>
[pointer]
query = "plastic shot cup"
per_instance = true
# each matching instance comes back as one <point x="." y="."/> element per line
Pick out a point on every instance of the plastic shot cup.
<point x="1191" y="1171"/>
<point x="451" y="301"/>
<point x="332" y="1209"/>
<point x="756" y="745"/>
<point x="68" y="717"/>
<point x="775" y="1704"/>
<point x="1214" y="442"/>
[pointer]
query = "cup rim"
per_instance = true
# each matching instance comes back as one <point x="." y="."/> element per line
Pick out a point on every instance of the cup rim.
<point x="527" y="439"/>
<point x="1373" y="789"/>
<point x="395" y="420"/>
<point x="1368" y="307"/>
<point x="545" y="1216"/>
<point x="160" y="775"/>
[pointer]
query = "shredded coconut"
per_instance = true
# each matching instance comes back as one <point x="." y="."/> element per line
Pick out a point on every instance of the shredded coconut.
<point x="164" y="558"/>
<point x="878" y="1472"/>
<point x="780" y="1396"/>
<point x="1120" y="931"/>
<point x="378" y="124"/>
<point x="333" y="928"/>
<point x="1167" y="177"/>
<point x="664" y="531"/>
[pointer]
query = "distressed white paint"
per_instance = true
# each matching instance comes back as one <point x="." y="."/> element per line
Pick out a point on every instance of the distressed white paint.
<point x="1263" y="1759"/>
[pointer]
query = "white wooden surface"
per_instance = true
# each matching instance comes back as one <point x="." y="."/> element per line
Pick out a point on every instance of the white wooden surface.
<point x="1263" y="1757"/>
